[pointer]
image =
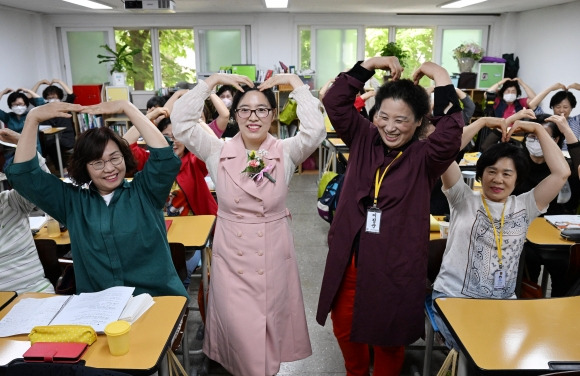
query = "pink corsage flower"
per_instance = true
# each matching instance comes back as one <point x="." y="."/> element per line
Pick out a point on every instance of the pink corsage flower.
<point x="256" y="168"/>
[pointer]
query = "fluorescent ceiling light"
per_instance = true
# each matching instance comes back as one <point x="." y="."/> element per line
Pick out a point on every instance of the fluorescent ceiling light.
<point x="276" y="3"/>
<point x="88" y="4"/>
<point x="461" y="3"/>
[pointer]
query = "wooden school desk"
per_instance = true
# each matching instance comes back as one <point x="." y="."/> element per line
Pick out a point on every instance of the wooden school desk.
<point x="151" y="336"/>
<point x="191" y="231"/>
<point x="6" y="297"/>
<point x="514" y="336"/>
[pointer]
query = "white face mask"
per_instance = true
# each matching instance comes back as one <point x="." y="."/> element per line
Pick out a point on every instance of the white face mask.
<point x="227" y="102"/>
<point x="53" y="100"/>
<point x="19" y="110"/>
<point x="534" y="148"/>
<point x="509" y="98"/>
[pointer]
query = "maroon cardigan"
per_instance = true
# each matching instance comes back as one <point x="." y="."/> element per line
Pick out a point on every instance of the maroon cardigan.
<point x="392" y="266"/>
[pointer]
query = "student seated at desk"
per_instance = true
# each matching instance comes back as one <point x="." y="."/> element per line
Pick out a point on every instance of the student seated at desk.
<point x="20" y="267"/>
<point x="488" y="229"/>
<point x="117" y="230"/>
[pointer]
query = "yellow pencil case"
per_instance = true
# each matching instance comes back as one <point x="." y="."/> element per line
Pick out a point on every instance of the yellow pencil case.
<point x="63" y="333"/>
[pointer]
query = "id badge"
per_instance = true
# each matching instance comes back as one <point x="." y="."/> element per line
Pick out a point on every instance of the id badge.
<point x="373" y="220"/>
<point x="499" y="280"/>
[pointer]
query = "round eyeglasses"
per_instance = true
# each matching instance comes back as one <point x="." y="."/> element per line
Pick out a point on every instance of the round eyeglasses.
<point x="245" y="113"/>
<point x="100" y="164"/>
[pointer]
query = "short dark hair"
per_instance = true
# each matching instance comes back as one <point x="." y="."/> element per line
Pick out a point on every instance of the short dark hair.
<point x="52" y="89"/>
<point x="413" y="95"/>
<point x="225" y="88"/>
<point x="268" y="93"/>
<point x="156" y="101"/>
<point x="15" y="95"/>
<point x="541" y="119"/>
<point x="504" y="150"/>
<point x="560" y="96"/>
<point x="90" y="146"/>
<point x="508" y="84"/>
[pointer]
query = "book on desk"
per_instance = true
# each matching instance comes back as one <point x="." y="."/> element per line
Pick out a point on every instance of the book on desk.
<point x="564" y="221"/>
<point x="96" y="309"/>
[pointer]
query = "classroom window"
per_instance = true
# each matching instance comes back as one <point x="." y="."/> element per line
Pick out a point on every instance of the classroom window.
<point x="177" y="56"/>
<point x="220" y="48"/>
<point x="141" y="78"/>
<point x="83" y="47"/>
<point x="451" y="38"/>
<point x="335" y="50"/>
<point x="305" y="48"/>
<point x="375" y="40"/>
<point x="419" y="42"/>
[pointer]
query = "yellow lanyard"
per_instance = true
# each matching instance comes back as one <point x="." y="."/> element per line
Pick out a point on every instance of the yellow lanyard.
<point x="379" y="182"/>
<point x="498" y="240"/>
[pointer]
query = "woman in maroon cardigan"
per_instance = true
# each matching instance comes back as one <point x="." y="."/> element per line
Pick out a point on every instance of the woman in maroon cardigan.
<point x="378" y="240"/>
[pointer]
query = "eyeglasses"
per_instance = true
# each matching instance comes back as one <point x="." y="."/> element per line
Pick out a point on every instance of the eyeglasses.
<point x="245" y="113"/>
<point x="100" y="164"/>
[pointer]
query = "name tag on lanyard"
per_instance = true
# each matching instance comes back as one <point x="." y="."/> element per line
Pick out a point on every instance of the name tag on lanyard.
<point x="373" y="225"/>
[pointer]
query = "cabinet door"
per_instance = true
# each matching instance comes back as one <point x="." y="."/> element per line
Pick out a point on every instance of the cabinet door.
<point x="114" y="93"/>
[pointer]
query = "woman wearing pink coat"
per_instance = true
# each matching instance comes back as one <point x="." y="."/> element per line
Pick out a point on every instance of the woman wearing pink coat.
<point x="255" y="316"/>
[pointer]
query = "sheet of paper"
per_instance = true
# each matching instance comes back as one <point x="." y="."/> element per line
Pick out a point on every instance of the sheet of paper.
<point x="7" y="144"/>
<point x="36" y="223"/>
<point x="28" y="313"/>
<point x="564" y="220"/>
<point x="96" y="309"/>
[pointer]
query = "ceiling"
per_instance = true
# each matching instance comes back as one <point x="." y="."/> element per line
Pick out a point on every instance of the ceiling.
<point x="295" y="6"/>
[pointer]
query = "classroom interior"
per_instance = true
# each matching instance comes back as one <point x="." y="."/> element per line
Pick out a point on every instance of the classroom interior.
<point x="543" y="34"/>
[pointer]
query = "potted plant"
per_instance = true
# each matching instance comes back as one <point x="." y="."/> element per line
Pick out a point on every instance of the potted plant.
<point x="394" y="49"/>
<point x="466" y="55"/>
<point x="122" y="62"/>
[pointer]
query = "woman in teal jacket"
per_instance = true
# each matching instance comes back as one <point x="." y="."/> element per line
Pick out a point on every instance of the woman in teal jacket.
<point x="117" y="230"/>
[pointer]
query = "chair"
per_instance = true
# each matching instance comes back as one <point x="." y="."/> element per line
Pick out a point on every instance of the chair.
<point x="573" y="272"/>
<point x="434" y="259"/>
<point x="180" y="337"/>
<point x="47" y="253"/>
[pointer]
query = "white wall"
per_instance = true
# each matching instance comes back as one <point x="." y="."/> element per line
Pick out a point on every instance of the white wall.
<point x="544" y="40"/>
<point x="548" y="47"/>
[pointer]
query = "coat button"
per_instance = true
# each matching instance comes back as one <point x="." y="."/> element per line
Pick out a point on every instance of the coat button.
<point x="240" y="272"/>
<point x="260" y="253"/>
<point x="260" y="233"/>
<point x="237" y="200"/>
<point x="260" y="271"/>
<point x="240" y="253"/>
<point x="239" y="234"/>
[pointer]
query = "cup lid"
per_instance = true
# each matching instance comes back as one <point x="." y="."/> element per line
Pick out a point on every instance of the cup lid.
<point x="117" y="328"/>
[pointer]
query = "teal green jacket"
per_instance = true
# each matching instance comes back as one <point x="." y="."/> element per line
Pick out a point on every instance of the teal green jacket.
<point x="122" y="244"/>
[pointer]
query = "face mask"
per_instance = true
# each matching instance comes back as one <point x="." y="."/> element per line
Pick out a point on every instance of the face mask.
<point x="227" y="102"/>
<point x="19" y="110"/>
<point x="53" y="100"/>
<point x="509" y="98"/>
<point x="534" y="148"/>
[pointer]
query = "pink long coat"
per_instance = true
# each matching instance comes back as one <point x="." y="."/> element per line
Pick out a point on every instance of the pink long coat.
<point x="255" y="316"/>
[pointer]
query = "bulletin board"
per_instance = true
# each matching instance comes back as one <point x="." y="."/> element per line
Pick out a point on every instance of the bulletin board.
<point x="489" y="74"/>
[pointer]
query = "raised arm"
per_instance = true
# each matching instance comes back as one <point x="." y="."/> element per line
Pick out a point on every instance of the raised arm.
<point x="453" y="172"/>
<point x="222" y="110"/>
<point x="575" y="86"/>
<point x="531" y="94"/>
<point x="495" y="87"/>
<point x="548" y="188"/>
<point x="324" y="88"/>
<point x="564" y="127"/>
<point x="62" y="84"/>
<point x="26" y="149"/>
<point x="29" y="93"/>
<point x="532" y="104"/>
<point x="41" y="82"/>
<point x="171" y="101"/>
<point x="132" y="135"/>
<point x="148" y="130"/>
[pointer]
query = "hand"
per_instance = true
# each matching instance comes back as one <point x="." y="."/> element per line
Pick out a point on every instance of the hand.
<point x="390" y="63"/>
<point x="55" y="81"/>
<point x="53" y="110"/>
<point x="525" y="113"/>
<point x="8" y="135"/>
<point x="44" y="82"/>
<point x="234" y="80"/>
<point x="575" y="86"/>
<point x="430" y="89"/>
<point x="434" y="72"/>
<point x="6" y="91"/>
<point x="558" y="86"/>
<point x="156" y="114"/>
<point x="279" y="79"/>
<point x="525" y="127"/>
<point x="560" y="122"/>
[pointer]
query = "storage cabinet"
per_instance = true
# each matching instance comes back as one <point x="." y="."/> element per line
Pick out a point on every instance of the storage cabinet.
<point x="87" y="95"/>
